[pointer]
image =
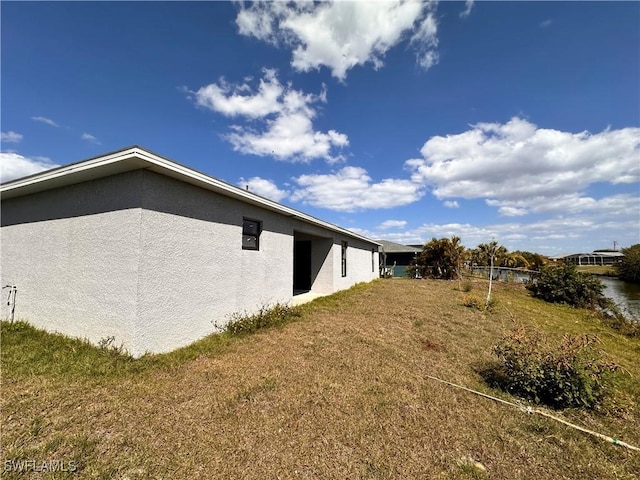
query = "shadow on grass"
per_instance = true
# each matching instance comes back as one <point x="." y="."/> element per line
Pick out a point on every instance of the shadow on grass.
<point x="28" y="351"/>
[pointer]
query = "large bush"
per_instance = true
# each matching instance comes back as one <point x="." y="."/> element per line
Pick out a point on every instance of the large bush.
<point x="572" y="373"/>
<point x="629" y="268"/>
<point x="441" y="258"/>
<point x="564" y="284"/>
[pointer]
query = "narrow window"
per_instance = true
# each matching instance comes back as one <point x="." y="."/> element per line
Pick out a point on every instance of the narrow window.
<point x="343" y="257"/>
<point x="373" y="259"/>
<point x="251" y="230"/>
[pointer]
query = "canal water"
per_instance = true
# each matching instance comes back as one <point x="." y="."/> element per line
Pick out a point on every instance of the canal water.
<point x="626" y="295"/>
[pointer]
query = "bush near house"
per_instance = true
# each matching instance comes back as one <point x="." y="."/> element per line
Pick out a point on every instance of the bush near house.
<point x="265" y="317"/>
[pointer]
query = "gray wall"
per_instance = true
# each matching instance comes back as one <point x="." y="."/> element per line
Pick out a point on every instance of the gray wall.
<point x="74" y="253"/>
<point x="154" y="261"/>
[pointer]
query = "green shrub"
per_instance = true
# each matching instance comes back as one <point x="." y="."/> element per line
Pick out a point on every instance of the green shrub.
<point x="572" y="373"/>
<point x="564" y="284"/>
<point x="629" y="267"/>
<point x="265" y="317"/>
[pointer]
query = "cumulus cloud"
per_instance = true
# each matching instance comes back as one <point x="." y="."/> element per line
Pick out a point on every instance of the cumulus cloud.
<point x="279" y="119"/>
<point x="90" y="138"/>
<point x="341" y="35"/>
<point x="520" y="167"/>
<point x="14" y="165"/>
<point x="451" y="204"/>
<point x="351" y="189"/>
<point x="10" y="137"/>
<point x="46" y="120"/>
<point x="238" y="100"/>
<point x="387" y="224"/>
<point x="263" y="187"/>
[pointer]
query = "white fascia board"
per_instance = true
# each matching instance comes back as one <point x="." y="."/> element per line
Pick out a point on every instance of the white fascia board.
<point x="85" y="170"/>
<point x="135" y="158"/>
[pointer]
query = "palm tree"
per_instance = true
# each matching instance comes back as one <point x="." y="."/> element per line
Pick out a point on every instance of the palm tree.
<point x="456" y="254"/>
<point x="442" y="258"/>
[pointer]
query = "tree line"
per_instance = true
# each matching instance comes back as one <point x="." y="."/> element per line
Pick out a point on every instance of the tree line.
<point x="445" y="258"/>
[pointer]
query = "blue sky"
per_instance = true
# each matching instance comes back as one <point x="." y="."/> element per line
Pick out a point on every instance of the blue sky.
<point x="513" y="121"/>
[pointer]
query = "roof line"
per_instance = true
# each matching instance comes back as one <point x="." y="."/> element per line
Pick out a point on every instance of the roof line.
<point x="152" y="159"/>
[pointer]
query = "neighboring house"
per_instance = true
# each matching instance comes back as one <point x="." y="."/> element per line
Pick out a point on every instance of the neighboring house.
<point x="598" y="257"/>
<point x="395" y="258"/>
<point x="133" y="246"/>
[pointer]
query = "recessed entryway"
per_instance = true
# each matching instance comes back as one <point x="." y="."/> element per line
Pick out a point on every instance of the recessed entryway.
<point x="301" y="266"/>
<point x="312" y="266"/>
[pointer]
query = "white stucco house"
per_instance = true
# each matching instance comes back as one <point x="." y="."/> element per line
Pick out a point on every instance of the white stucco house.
<point x="138" y="247"/>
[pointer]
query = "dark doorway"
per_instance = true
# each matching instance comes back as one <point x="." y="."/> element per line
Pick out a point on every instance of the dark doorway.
<point x="301" y="266"/>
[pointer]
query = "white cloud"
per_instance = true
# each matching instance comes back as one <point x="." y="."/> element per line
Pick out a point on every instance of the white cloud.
<point x="284" y="116"/>
<point x="90" y="138"/>
<point x="506" y="211"/>
<point x="470" y="235"/>
<point x="451" y="204"/>
<point x="236" y="100"/>
<point x="46" y="120"/>
<point x="545" y="23"/>
<point x="549" y="236"/>
<point x="14" y="165"/>
<point x="263" y="187"/>
<point x="519" y="162"/>
<point x="344" y="34"/>
<point x="387" y="224"/>
<point x="468" y="5"/>
<point x="351" y="189"/>
<point x="570" y="204"/>
<point x="10" y="137"/>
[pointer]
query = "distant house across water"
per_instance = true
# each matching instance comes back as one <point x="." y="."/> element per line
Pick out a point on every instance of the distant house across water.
<point x="598" y="257"/>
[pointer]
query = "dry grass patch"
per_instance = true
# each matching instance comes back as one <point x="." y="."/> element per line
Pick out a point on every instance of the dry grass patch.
<point x="341" y="393"/>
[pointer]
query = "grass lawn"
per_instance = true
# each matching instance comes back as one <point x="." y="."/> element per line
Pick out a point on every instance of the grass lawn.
<point x="341" y="393"/>
<point x="606" y="270"/>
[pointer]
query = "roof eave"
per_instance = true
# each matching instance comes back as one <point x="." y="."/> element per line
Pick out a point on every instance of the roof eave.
<point x="135" y="158"/>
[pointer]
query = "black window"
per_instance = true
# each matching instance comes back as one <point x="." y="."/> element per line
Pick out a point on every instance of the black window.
<point x="373" y="259"/>
<point x="343" y="257"/>
<point x="251" y="230"/>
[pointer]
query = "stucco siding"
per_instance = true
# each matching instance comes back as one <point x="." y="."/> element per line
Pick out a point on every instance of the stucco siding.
<point x="156" y="262"/>
<point x="194" y="273"/>
<point x="76" y="274"/>
<point x="359" y="263"/>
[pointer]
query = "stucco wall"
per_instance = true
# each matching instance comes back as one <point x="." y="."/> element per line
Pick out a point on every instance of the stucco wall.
<point x="154" y="261"/>
<point x="194" y="272"/>
<point x="73" y="254"/>
<point x="359" y="263"/>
